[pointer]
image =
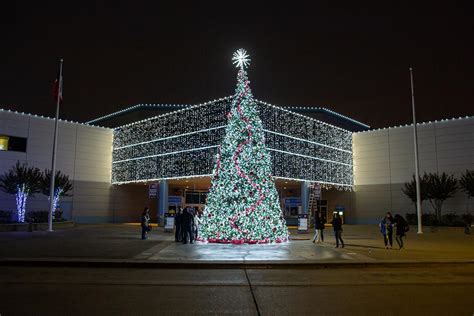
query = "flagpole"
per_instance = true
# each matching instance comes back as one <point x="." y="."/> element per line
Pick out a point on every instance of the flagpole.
<point x="417" y="167"/>
<point x="55" y="145"/>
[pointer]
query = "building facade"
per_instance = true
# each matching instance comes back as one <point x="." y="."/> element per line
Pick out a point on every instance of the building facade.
<point x="184" y="144"/>
<point x="117" y="170"/>
<point x="384" y="161"/>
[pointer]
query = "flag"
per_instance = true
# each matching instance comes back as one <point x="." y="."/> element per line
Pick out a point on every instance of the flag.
<point x="58" y="88"/>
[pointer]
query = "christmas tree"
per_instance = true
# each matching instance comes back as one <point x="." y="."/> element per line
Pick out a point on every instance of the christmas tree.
<point x="243" y="204"/>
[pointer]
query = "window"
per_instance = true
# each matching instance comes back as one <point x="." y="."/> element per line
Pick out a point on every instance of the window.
<point x="3" y="142"/>
<point x="12" y="143"/>
<point x="193" y="197"/>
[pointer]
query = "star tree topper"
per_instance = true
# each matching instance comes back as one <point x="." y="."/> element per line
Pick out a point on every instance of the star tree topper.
<point x="241" y="59"/>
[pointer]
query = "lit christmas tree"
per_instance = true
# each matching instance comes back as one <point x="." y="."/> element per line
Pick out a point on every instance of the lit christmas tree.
<point x="243" y="204"/>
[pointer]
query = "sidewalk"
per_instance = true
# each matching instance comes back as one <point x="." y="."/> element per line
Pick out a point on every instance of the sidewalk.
<point x="121" y="244"/>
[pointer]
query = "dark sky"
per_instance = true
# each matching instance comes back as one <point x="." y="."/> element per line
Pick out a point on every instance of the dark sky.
<point x="353" y="59"/>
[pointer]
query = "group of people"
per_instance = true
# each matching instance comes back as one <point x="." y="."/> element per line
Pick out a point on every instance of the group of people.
<point x="187" y="223"/>
<point x="388" y="224"/>
<point x="319" y="225"/>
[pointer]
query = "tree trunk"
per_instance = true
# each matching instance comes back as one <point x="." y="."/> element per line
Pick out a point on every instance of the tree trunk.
<point x="439" y="204"/>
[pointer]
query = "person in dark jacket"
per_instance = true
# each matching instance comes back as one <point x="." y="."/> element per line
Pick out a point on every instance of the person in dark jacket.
<point x="318" y="227"/>
<point x="386" y="228"/>
<point x="337" y="225"/>
<point x="178" y="234"/>
<point x="145" y="223"/>
<point x="323" y="222"/>
<point x="401" y="228"/>
<point x="187" y="222"/>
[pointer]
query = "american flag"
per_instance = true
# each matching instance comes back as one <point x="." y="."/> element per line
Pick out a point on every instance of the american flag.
<point x="58" y="88"/>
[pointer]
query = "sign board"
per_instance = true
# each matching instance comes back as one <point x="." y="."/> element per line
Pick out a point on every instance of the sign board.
<point x="153" y="190"/>
<point x="174" y="200"/>
<point x="169" y="222"/>
<point x="303" y="223"/>
<point x="292" y="202"/>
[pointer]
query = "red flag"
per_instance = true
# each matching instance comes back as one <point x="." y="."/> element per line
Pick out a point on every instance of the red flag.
<point x="58" y="88"/>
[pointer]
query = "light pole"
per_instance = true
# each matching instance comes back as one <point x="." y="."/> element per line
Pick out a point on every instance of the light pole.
<point x="417" y="167"/>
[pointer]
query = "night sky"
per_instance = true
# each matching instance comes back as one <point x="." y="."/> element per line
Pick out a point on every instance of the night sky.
<point x="353" y="59"/>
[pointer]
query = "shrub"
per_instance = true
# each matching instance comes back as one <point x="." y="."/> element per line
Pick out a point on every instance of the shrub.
<point x="411" y="218"/>
<point x="467" y="218"/>
<point x="451" y="219"/>
<point x="430" y="220"/>
<point x="42" y="216"/>
<point x="38" y="216"/>
<point x="5" y="216"/>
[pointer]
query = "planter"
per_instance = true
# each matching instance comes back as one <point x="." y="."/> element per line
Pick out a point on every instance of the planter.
<point x="15" y="227"/>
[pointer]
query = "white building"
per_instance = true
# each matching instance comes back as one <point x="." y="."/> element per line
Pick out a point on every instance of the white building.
<point x="382" y="162"/>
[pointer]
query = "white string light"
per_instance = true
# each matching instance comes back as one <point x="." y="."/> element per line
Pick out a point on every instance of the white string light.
<point x="184" y="143"/>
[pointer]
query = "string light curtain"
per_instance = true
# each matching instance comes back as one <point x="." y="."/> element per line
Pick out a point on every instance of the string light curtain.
<point x="184" y="143"/>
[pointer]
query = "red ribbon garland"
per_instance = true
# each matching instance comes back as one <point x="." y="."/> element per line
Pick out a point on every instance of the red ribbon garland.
<point x="237" y="167"/>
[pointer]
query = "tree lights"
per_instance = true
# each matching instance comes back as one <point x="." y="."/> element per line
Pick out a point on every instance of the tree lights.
<point x="63" y="186"/>
<point x="243" y="204"/>
<point x="184" y="143"/>
<point x="23" y="181"/>
<point x="20" y="196"/>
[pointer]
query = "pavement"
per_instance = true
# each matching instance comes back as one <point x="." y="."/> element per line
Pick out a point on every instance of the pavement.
<point x="108" y="270"/>
<point x="442" y="290"/>
<point x="121" y="243"/>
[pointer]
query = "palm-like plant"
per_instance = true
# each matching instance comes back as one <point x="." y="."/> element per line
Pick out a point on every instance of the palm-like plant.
<point x="23" y="181"/>
<point x="409" y="188"/>
<point x="467" y="183"/>
<point x="440" y="188"/>
<point x="62" y="186"/>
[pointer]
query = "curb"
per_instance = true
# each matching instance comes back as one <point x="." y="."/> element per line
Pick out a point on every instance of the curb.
<point x="141" y="264"/>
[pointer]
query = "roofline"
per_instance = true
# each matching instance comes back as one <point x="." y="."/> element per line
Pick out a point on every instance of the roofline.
<point x="52" y="119"/>
<point x="147" y="106"/>
<point x="417" y="124"/>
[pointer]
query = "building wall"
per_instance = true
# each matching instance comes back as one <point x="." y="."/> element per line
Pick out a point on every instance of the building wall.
<point x="384" y="161"/>
<point x="84" y="154"/>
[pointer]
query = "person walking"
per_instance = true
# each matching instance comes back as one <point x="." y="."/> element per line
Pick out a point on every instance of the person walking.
<point x="401" y="228"/>
<point x="197" y="224"/>
<point x="145" y="223"/>
<point x="187" y="226"/>
<point x="386" y="228"/>
<point x="337" y="225"/>
<point x="178" y="234"/>
<point x="323" y="223"/>
<point x="318" y="227"/>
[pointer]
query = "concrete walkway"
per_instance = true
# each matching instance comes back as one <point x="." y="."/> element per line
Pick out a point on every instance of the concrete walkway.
<point x="121" y="243"/>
